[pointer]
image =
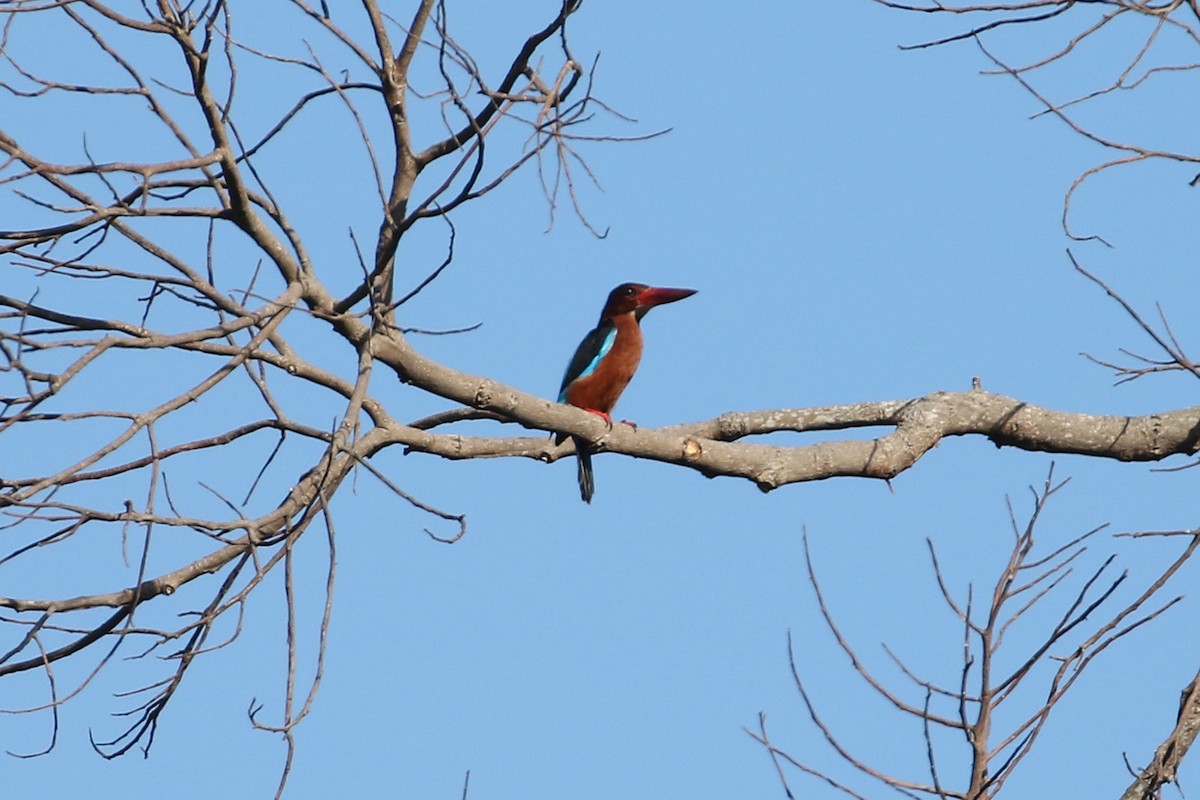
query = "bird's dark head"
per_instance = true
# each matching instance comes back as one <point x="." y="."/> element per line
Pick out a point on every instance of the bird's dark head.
<point x="638" y="298"/>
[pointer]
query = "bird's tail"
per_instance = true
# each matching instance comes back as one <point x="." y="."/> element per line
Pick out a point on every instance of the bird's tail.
<point x="587" y="482"/>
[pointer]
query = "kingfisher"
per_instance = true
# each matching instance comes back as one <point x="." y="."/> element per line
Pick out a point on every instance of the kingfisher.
<point x="607" y="358"/>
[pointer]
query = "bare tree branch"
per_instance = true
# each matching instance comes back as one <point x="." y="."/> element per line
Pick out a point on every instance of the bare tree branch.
<point x="995" y="746"/>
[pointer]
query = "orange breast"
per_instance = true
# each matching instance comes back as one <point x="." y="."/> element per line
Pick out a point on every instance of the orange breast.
<point x="600" y="390"/>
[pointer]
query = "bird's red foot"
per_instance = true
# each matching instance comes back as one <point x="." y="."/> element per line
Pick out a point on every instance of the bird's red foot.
<point x="630" y="424"/>
<point x="602" y="415"/>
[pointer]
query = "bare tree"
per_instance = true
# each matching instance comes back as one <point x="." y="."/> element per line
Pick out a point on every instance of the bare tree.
<point x="185" y="195"/>
<point x="1158" y="33"/>
<point x="984" y="747"/>
<point x="986" y="754"/>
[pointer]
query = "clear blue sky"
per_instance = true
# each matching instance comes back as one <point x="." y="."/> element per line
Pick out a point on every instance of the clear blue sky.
<point x="862" y="224"/>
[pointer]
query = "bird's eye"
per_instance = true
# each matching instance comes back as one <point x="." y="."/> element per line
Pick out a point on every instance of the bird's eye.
<point x="630" y="291"/>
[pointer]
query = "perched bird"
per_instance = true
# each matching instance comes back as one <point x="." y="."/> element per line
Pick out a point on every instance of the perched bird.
<point x="607" y="358"/>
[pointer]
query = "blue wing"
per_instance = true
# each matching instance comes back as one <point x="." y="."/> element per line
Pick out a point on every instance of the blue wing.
<point x="591" y="351"/>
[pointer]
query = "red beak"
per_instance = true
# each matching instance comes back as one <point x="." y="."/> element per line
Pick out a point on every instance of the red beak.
<point x="655" y="296"/>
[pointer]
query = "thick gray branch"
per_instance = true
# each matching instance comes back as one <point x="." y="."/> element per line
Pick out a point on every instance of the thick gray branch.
<point x="1163" y="769"/>
<point x="713" y="449"/>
